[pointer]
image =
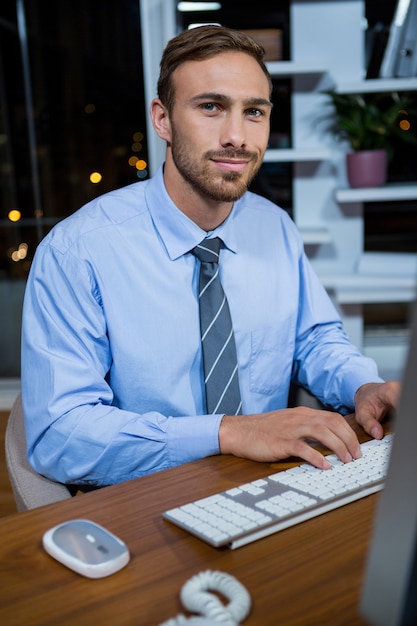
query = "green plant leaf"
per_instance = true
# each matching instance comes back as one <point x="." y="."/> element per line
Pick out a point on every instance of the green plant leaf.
<point x="369" y="121"/>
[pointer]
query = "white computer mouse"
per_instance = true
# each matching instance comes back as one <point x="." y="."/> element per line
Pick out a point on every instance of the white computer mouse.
<point x="86" y="547"/>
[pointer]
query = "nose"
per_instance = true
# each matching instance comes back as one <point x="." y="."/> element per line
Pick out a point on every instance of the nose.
<point x="233" y="131"/>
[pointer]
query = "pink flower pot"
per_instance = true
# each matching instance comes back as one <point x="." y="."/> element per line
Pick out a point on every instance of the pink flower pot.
<point x="367" y="168"/>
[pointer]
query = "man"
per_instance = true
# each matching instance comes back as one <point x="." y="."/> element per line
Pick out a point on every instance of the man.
<point x="112" y="361"/>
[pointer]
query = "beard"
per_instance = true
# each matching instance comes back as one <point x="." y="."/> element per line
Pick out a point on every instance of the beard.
<point x="222" y="186"/>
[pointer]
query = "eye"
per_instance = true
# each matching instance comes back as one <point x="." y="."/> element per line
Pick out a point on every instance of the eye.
<point x="209" y="107"/>
<point x="255" y="113"/>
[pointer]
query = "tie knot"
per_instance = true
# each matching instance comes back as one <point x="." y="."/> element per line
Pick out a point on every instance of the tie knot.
<point x="208" y="250"/>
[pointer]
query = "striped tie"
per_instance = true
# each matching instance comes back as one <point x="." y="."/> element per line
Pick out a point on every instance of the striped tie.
<point x="218" y="342"/>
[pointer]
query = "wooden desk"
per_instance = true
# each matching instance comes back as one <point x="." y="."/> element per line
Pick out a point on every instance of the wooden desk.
<point x="306" y="575"/>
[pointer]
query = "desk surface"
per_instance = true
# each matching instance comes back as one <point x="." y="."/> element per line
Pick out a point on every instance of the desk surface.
<point x="306" y="575"/>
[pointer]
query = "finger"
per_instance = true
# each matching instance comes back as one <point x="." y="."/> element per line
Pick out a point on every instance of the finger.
<point x="311" y="455"/>
<point x="373" y="403"/>
<point x="333" y="431"/>
<point x="370" y="425"/>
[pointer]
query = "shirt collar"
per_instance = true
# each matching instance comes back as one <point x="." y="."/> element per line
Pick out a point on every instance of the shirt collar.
<point x="177" y="231"/>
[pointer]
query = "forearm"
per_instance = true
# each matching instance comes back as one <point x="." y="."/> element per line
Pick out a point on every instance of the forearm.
<point x="332" y="368"/>
<point x="102" y="445"/>
<point x="76" y="434"/>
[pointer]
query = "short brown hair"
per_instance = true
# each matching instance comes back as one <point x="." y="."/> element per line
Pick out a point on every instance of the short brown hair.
<point x="203" y="42"/>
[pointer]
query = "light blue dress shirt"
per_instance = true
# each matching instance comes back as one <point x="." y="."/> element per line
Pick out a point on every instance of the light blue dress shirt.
<point x="112" y="380"/>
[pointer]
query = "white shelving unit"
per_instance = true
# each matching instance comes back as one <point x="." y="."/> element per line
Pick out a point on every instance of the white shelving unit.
<point x="327" y="39"/>
<point x="328" y="213"/>
<point x="332" y="50"/>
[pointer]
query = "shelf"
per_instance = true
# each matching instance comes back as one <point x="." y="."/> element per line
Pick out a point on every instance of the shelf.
<point x="378" y="85"/>
<point x="291" y="155"/>
<point x="291" y="68"/>
<point x="389" y="192"/>
<point x="380" y="277"/>
<point x="314" y="236"/>
<point x="360" y="289"/>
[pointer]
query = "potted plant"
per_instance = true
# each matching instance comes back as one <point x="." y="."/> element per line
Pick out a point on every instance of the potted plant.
<point x="370" y="123"/>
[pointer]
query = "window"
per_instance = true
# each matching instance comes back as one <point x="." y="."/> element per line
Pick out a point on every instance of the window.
<point x="72" y="126"/>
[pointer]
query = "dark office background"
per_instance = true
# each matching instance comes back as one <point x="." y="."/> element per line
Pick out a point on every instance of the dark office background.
<point x="72" y="107"/>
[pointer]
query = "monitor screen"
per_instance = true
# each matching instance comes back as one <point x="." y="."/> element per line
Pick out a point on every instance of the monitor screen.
<point x="389" y="593"/>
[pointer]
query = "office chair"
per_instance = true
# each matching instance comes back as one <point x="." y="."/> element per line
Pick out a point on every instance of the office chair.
<point x="30" y="489"/>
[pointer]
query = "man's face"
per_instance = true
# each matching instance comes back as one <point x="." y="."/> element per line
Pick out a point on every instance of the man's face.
<point x="219" y="124"/>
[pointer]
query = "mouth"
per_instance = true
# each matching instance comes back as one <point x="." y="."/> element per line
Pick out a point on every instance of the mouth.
<point x="231" y="165"/>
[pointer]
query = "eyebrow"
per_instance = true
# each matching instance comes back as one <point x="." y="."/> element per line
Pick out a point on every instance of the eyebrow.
<point x="219" y="97"/>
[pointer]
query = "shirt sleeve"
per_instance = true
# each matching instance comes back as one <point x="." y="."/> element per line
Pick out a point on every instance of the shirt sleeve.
<point x="74" y="433"/>
<point x="325" y="361"/>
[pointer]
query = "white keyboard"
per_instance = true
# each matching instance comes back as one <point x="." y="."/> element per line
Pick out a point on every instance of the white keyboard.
<point x="254" y="510"/>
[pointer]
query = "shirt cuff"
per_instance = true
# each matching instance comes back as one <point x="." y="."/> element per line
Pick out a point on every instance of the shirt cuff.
<point x="192" y="438"/>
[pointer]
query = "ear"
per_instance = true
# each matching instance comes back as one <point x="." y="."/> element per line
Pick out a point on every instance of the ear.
<point x="160" y="120"/>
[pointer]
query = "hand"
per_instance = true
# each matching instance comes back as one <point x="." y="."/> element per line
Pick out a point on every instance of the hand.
<point x="372" y="403"/>
<point x="280" y="434"/>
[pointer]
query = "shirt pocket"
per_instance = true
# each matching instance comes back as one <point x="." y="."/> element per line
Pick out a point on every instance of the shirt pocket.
<point x="270" y="359"/>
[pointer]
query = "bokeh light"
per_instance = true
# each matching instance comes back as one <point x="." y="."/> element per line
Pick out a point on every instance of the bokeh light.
<point x="405" y="125"/>
<point x="141" y="164"/>
<point x="95" y="177"/>
<point x="14" y="215"/>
